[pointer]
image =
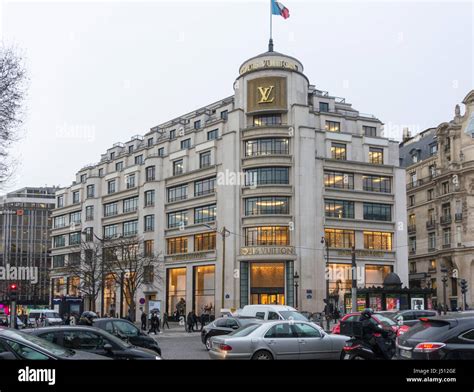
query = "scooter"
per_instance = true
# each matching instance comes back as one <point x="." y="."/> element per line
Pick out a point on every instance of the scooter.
<point x="358" y="349"/>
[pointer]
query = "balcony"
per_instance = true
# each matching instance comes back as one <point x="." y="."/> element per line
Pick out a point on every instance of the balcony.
<point x="445" y="219"/>
<point x="446" y="246"/>
<point x="458" y="217"/>
<point x="430" y="224"/>
<point x="411" y="229"/>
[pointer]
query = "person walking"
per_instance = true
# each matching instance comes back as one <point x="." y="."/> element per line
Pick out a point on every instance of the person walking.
<point x="165" y="321"/>
<point x="143" y="320"/>
<point x="153" y="322"/>
<point x="190" y="321"/>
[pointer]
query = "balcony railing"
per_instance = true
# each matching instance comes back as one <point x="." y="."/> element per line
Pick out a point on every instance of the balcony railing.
<point x="411" y="229"/>
<point x="421" y="181"/>
<point x="458" y="216"/>
<point x="430" y="224"/>
<point x="445" y="219"/>
<point x="446" y="246"/>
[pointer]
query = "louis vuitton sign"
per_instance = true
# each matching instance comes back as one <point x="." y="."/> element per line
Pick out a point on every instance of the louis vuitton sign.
<point x="266" y="93"/>
<point x="267" y="250"/>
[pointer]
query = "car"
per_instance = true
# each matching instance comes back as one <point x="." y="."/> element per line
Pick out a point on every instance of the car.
<point x="282" y="339"/>
<point x="127" y="331"/>
<point x="440" y="337"/>
<point x="5" y="321"/>
<point x="94" y="340"/>
<point x="408" y="318"/>
<point x="377" y="318"/>
<point x="224" y="326"/>
<point x="19" y="345"/>
<point x="272" y="312"/>
<point x="50" y="317"/>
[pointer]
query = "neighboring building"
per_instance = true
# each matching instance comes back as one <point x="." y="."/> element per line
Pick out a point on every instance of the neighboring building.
<point x="25" y="221"/>
<point x="280" y="164"/>
<point x="440" y="196"/>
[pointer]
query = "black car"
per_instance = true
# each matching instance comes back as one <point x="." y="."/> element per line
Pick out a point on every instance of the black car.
<point x="224" y="326"/>
<point x="411" y="317"/>
<point x="93" y="340"/>
<point x="127" y="331"/>
<point x="443" y="337"/>
<point x="22" y="346"/>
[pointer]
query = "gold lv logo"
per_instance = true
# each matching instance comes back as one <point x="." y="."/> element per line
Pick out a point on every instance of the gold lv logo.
<point x="266" y="94"/>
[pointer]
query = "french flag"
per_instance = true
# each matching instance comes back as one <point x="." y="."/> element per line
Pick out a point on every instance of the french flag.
<point x="279" y="9"/>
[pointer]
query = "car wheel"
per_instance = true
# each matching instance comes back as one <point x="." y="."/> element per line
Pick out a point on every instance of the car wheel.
<point x="262" y="355"/>
<point x="357" y="358"/>
<point x="208" y="343"/>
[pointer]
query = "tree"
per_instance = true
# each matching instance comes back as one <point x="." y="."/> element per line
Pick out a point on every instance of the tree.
<point x="131" y="265"/>
<point x="12" y="95"/>
<point x="87" y="266"/>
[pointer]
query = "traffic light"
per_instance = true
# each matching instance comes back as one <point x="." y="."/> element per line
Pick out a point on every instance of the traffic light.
<point x="13" y="291"/>
<point x="463" y="286"/>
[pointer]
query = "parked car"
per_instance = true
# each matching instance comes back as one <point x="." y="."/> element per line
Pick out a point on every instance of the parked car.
<point x="19" y="345"/>
<point x="441" y="337"/>
<point x="50" y="317"/>
<point x="127" y="331"/>
<point x="408" y="318"/>
<point x="225" y="326"/>
<point x="378" y="318"/>
<point x="94" y="340"/>
<point x="272" y="312"/>
<point x="282" y="339"/>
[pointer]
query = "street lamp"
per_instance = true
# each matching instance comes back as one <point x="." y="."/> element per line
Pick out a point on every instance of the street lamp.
<point x="296" y="278"/>
<point x="444" y="279"/>
<point x="324" y="242"/>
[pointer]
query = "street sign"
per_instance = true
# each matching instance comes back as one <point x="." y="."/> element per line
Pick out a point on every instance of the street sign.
<point x="142" y="301"/>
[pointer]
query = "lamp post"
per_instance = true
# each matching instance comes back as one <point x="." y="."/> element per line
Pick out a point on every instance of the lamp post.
<point x="324" y="242"/>
<point x="296" y="278"/>
<point x="444" y="279"/>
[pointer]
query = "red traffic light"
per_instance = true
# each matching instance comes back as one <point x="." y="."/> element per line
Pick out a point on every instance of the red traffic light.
<point x="13" y="286"/>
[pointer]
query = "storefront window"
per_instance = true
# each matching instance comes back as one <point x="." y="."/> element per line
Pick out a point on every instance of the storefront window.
<point x="74" y="283"/>
<point x="375" y="274"/>
<point x="176" y="287"/>
<point x="340" y="278"/>
<point x="109" y="295"/>
<point x="204" y="289"/>
<point x="267" y="283"/>
<point x="267" y="235"/>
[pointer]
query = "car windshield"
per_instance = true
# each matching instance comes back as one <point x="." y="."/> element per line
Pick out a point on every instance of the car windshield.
<point x="292" y="315"/>
<point x="385" y="320"/>
<point x="52" y="315"/>
<point x="44" y="344"/>
<point x="244" y="331"/>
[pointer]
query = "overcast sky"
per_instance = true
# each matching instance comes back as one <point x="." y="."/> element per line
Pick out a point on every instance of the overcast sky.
<point x="101" y="72"/>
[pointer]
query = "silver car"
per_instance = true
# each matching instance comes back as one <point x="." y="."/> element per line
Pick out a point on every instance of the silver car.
<point x="284" y="339"/>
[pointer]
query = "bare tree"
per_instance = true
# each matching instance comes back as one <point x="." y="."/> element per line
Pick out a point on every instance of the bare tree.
<point x="88" y="268"/>
<point x="12" y="95"/>
<point x="131" y="265"/>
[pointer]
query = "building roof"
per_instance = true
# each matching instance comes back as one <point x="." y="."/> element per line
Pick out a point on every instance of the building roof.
<point x="419" y="143"/>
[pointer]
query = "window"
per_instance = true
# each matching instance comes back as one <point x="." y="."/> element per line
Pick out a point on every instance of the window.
<point x="411" y="200"/>
<point x="306" y="331"/>
<point x="177" y="219"/>
<point x="89" y="234"/>
<point x="177" y="245"/>
<point x="267" y="235"/>
<point x="130" y="149"/>
<point x="101" y="172"/>
<point x="75" y="217"/>
<point x="178" y="167"/>
<point x="266" y="120"/>
<point x="59" y="241"/>
<point x="433" y="149"/>
<point x="185" y="144"/>
<point x="412" y="244"/>
<point x="339" y="238"/>
<point x="205" y="159"/>
<point x="83" y="340"/>
<point x="75" y="197"/>
<point x="173" y="134"/>
<point x="379" y="212"/>
<point x="323" y="107"/>
<point x="341" y="209"/>
<point x="280" y="331"/>
<point x="197" y="124"/>
<point x="150" y="173"/>
<point x="205" y="214"/>
<point x="205" y="187"/>
<point x="59" y="261"/>
<point x="138" y="159"/>
<point x="446" y="211"/>
<point x="447" y="237"/>
<point x="130" y="180"/>
<point x="149" y="198"/>
<point x="110" y="209"/>
<point x="270" y="146"/>
<point x="412" y="271"/>
<point x="112" y="155"/>
<point x="333" y="126"/>
<point x="205" y="241"/>
<point x="176" y="193"/>
<point x="376" y="184"/>
<point x="111" y="186"/>
<point x="130" y="205"/>
<point x="431" y="216"/>
<point x="161" y="151"/>
<point x="149" y="142"/>
<point x="378" y="240"/>
<point x="369" y="131"/>
<point x="110" y="231"/>
<point x="60" y="201"/>
<point x="225" y="115"/>
<point x="90" y="191"/>
<point x="130" y="228"/>
<point x="431" y="241"/>
<point x="432" y="266"/>
<point x="149" y="222"/>
<point x="119" y="166"/>
<point x="270" y="205"/>
<point x="148" y="246"/>
<point x="376" y="155"/>
<point x="59" y="221"/>
<point x="212" y="135"/>
<point x="445" y="187"/>
<point x="430" y="194"/>
<point x="75" y="238"/>
<point x="340" y="180"/>
<point x="338" y="151"/>
<point x="267" y="175"/>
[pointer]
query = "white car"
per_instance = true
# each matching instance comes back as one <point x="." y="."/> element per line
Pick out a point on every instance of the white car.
<point x="272" y="312"/>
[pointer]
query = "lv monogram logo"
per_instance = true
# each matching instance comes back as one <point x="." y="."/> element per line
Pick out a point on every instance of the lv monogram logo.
<point x="266" y="94"/>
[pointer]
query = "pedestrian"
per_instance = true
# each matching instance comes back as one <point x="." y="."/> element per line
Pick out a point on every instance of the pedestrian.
<point x="158" y="321"/>
<point x="438" y="309"/>
<point x="165" y="320"/>
<point x="143" y="319"/>
<point x="153" y="323"/>
<point x="195" y="321"/>
<point x="190" y="322"/>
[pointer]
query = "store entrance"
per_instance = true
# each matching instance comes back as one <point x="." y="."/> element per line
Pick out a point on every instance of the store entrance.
<point x="267" y="299"/>
<point x="267" y="283"/>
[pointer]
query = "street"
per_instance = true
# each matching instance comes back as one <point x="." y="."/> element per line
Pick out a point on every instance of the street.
<point x="177" y="344"/>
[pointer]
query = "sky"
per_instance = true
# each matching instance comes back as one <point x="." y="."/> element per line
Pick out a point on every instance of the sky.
<point x="101" y="72"/>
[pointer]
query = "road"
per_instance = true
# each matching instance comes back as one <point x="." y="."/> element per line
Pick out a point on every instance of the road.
<point x="181" y="345"/>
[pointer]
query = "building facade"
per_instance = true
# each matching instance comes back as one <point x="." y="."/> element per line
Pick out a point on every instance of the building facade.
<point x="25" y="222"/>
<point x="440" y="179"/>
<point x="238" y="195"/>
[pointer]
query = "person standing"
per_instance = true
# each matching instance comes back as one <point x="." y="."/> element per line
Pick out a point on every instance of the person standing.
<point x="165" y="320"/>
<point x="143" y="320"/>
<point x="153" y="321"/>
<point x="190" y="321"/>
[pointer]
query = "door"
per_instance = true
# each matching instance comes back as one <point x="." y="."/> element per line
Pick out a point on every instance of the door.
<point x="222" y="327"/>
<point x="313" y="344"/>
<point x="282" y="342"/>
<point x="87" y="341"/>
<point x="128" y="332"/>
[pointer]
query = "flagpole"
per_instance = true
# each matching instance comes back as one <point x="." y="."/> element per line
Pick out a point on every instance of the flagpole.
<point x="270" y="42"/>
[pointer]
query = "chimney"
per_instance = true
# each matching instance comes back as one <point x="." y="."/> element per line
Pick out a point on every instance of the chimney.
<point x="406" y="134"/>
